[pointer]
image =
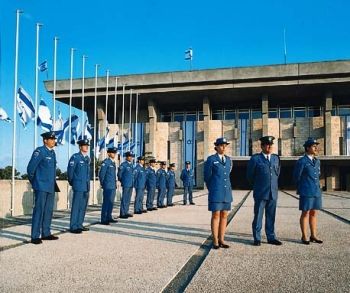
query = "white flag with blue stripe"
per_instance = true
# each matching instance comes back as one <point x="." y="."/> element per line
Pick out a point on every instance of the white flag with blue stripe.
<point x="74" y="129"/>
<point x="4" y="116"/>
<point x="44" y="117"/>
<point x="87" y="131"/>
<point x="25" y="107"/>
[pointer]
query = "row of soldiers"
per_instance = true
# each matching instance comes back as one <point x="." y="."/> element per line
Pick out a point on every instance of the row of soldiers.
<point x="42" y="175"/>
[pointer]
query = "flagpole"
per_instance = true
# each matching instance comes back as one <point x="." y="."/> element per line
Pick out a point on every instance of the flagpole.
<point x="285" y="46"/>
<point x="70" y="101"/>
<point x="123" y="108"/>
<point x="54" y="80"/>
<point x="83" y="97"/>
<point x="38" y="25"/>
<point x="95" y="109"/>
<point x="106" y="112"/>
<point x="136" y="113"/>
<point x="18" y="12"/>
<point x="115" y="100"/>
<point x="129" y="132"/>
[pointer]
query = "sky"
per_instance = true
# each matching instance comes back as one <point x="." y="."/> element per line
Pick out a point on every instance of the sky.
<point x="138" y="36"/>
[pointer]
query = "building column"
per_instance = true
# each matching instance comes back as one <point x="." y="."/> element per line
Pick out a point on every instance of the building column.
<point x="265" y="114"/>
<point x="206" y="118"/>
<point x="328" y="124"/>
<point x="152" y="120"/>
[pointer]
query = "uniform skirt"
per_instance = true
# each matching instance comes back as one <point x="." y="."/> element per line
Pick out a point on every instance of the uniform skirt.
<point x="310" y="203"/>
<point x="219" y="206"/>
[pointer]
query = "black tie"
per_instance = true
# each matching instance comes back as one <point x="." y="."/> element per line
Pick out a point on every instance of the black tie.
<point x="223" y="160"/>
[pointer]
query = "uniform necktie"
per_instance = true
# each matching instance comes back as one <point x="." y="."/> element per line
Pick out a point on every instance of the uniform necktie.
<point x="222" y="160"/>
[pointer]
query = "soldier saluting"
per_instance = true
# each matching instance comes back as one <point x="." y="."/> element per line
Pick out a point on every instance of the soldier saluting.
<point x="42" y="175"/>
<point x="262" y="172"/>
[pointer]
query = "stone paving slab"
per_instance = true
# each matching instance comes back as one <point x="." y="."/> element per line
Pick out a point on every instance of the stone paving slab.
<point x="292" y="267"/>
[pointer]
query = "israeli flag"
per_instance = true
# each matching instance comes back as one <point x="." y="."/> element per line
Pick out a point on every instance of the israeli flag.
<point x="4" y="116"/>
<point x="189" y="54"/>
<point x="25" y="107"/>
<point x="42" y="66"/>
<point x="44" y="117"/>
<point x="101" y="143"/>
<point x="74" y="129"/>
<point x="58" y="124"/>
<point x="87" y="131"/>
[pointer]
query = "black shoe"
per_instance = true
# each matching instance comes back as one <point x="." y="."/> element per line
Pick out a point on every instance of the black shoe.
<point x="130" y="215"/>
<point x="315" y="240"/>
<point x="306" y="242"/>
<point x="85" y="229"/>
<point x="192" y="203"/>
<point x="164" y="207"/>
<point x="150" y="209"/>
<point x="138" y="213"/>
<point x="36" y="241"/>
<point x="154" y="209"/>
<point x="113" y="221"/>
<point x="50" y="237"/>
<point x="76" y="231"/>
<point x="144" y="211"/>
<point x="104" y="223"/>
<point x="184" y="203"/>
<point x="257" y="243"/>
<point x="223" y="245"/>
<point x="123" y="216"/>
<point x="216" y="246"/>
<point x="274" y="242"/>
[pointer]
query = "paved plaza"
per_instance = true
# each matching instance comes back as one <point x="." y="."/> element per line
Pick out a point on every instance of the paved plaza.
<point x="170" y="250"/>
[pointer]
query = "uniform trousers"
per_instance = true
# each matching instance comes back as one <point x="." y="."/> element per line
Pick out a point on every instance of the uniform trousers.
<point x="78" y="210"/>
<point x="150" y="197"/>
<point x="107" y="205"/>
<point x="125" y="202"/>
<point x="188" y="190"/>
<point x="138" y="205"/>
<point x="270" y="213"/>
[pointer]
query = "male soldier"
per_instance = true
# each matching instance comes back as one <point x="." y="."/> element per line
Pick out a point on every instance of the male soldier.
<point x="125" y="176"/>
<point x="161" y="185"/>
<point x="139" y="185"/>
<point x="171" y="184"/>
<point x="151" y="183"/>
<point x="187" y="180"/>
<point x="262" y="172"/>
<point x="42" y="175"/>
<point x="79" y="178"/>
<point x="108" y="180"/>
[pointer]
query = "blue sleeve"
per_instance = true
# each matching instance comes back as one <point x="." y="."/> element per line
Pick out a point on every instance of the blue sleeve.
<point x="120" y="172"/>
<point x="37" y="156"/>
<point x="103" y="172"/>
<point x="70" y="169"/>
<point x="182" y="175"/>
<point x="207" y="171"/>
<point x="298" y="170"/>
<point x="158" y="177"/>
<point x="251" y="170"/>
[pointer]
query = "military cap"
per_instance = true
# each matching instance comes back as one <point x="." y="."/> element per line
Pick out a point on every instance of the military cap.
<point x="152" y="161"/>
<point x="267" y="139"/>
<point x="162" y="163"/>
<point x="83" y="141"/>
<point x="172" y="165"/>
<point x="49" y="134"/>
<point x="141" y="158"/>
<point x="221" y="140"/>
<point x="188" y="163"/>
<point x="310" y="141"/>
<point x="112" y="150"/>
<point x="129" y="154"/>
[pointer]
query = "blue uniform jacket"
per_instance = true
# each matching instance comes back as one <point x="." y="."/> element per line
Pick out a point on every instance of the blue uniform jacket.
<point x="151" y="178"/>
<point x="161" y="178"/>
<point x="79" y="172"/>
<point x="125" y="174"/>
<point x="187" y="177"/>
<point x="217" y="179"/>
<point x="171" y="182"/>
<point x="263" y="175"/>
<point x="41" y="169"/>
<point x="107" y="174"/>
<point x="139" y="177"/>
<point x="306" y="177"/>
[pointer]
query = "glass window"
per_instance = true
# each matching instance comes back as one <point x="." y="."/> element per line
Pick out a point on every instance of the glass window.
<point x="273" y="113"/>
<point x="334" y="111"/>
<point x="165" y="117"/>
<point x="285" y="113"/>
<point x="192" y="116"/>
<point x="314" y="112"/>
<point x="243" y="114"/>
<point x="256" y="114"/>
<point x="344" y="110"/>
<point x="299" y="112"/>
<point x="179" y="117"/>
<point x="200" y="116"/>
<point x="230" y="115"/>
<point x="217" y="115"/>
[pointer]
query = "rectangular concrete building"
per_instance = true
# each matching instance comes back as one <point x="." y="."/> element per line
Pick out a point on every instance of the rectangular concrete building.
<point x="180" y="114"/>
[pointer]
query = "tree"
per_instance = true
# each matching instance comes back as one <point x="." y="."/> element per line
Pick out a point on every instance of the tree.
<point x="6" y="173"/>
<point x="60" y="175"/>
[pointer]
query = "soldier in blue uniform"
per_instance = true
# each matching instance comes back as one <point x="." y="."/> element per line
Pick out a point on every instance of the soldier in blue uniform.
<point x="217" y="169"/>
<point x="171" y="184"/>
<point x="139" y="185"/>
<point x="125" y="176"/>
<point x="151" y="183"/>
<point x="78" y="172"/>
<point x="108" y="180"/>
<point x="307" y="178"/>
<point x="41" y="172"/>
<point x="262" y="172"/>
<point x="161" y="184"/>
<point x="187" y="180"/>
